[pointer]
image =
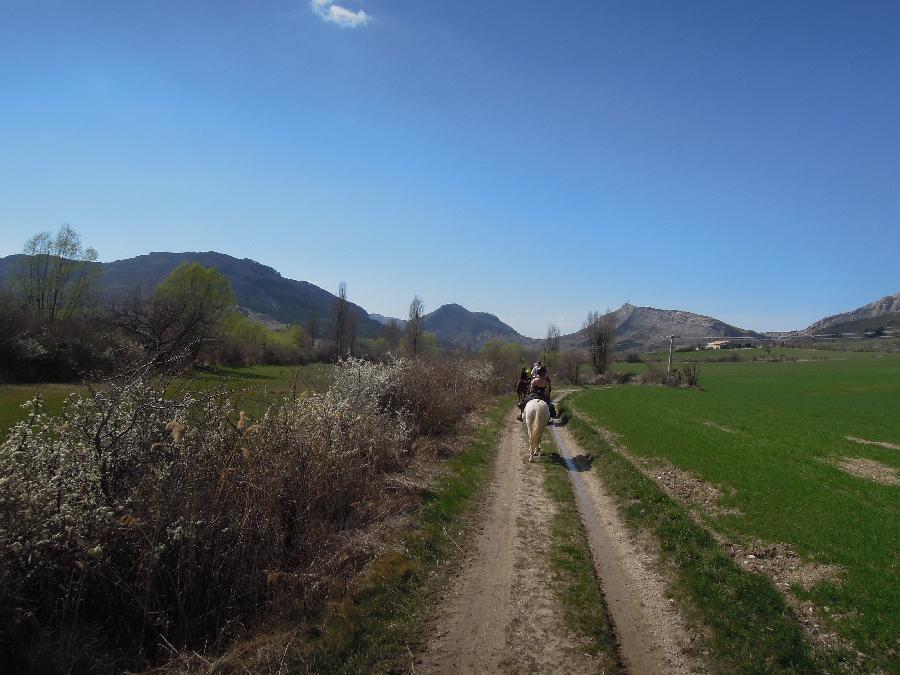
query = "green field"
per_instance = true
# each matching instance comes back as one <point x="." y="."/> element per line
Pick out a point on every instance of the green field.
<point x="759" y="354"/>
<point x="760" y="431"/>
<point x="258" y="385"/>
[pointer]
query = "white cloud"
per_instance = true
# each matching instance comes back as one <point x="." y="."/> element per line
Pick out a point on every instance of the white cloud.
<point x="339" y="15"/>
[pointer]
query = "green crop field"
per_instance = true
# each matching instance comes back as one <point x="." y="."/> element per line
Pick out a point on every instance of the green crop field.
<point x="257" y="386"/>
<point x="764" y="433"/>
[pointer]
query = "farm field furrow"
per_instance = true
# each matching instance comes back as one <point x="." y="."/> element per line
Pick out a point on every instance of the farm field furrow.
<point x="769" y="436"/>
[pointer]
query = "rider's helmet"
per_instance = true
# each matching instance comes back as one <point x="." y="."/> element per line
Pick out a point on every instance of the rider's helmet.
<point x="541" y="371"/>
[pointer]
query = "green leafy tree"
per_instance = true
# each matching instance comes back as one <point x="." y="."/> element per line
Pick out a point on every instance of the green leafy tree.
<point x="183" y="315"/>
<point x="57" y="274"/>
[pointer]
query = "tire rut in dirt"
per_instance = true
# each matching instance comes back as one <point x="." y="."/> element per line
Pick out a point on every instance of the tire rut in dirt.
<point x="653" y="636"/>
<point x="501" y="614"/>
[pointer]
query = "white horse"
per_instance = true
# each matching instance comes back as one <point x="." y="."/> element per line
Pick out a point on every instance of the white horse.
<point x="537" y="415"/>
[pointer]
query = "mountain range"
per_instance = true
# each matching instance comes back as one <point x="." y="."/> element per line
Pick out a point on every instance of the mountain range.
<point x="878" y="315"/>
<point x="264" y="294"/>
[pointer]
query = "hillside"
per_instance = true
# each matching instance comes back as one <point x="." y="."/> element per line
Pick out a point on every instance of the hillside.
<point x="385" y="320"/>
<point x="257" y="287"/>
<point x="847" y="322"/>
<point x="642" y="328"/>
<point x="455" y="325"/>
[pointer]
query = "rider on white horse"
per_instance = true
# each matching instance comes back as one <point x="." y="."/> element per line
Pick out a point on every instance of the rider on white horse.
<point x="540" y="388"/>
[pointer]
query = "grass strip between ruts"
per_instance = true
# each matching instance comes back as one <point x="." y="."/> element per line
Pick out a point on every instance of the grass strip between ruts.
<point x="574" y="577"/>
<point x="752" y="629"/>
<point x="373" y="626"/>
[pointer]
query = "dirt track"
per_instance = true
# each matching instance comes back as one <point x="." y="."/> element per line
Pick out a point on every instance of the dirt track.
<point x="500" y="613"/>
<point x="653" y="636"/>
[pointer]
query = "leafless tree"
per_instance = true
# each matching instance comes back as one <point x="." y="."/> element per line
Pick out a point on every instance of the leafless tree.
<point x="600" y="330"/>
<point x="56" y="276"/>
<point x="342" y="322"/>
<point x="391" y="333"/>
<point x="570" y="366"/>
<point x="551" y="342"/>
<point x="414" y="326"/>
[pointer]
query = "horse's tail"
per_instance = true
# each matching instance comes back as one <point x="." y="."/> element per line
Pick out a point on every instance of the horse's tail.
<point x="536" y="429"/>
<point x="536" y="418"/>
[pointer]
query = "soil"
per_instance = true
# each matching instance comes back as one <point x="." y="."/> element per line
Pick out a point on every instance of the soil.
<point x="868" y="469"/>
<point x="882" y="444"/>
<point x="500" y="614"/>
<point x="653" y="635"/>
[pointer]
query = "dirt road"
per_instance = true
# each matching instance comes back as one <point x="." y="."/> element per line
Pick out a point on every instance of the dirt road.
<point x="500" y="613"/>
<point x="653" y="636"/>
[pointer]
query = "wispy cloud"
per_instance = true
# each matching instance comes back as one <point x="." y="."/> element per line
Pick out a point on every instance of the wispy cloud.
<point x="337" y="14"/>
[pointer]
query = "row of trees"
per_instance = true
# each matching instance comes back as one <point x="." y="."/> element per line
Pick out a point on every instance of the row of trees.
<point x="54" y="324"/>
<point x="412" y="340"/>
<point x="599" y="335"/>
<point x="52" y="319"/>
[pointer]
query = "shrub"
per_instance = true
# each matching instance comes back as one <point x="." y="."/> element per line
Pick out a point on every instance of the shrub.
<point x="148" y="519"/>
<point x="570" y="366"/>
<point x="690" y="375"/>
<point x="654" y="374"/>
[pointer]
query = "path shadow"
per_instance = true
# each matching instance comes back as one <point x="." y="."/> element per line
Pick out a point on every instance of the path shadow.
<point x="580" y="463"/>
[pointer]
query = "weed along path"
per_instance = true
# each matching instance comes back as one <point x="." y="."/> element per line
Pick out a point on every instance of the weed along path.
<point x="652" y="635"/>
<point x="501" y="613"/>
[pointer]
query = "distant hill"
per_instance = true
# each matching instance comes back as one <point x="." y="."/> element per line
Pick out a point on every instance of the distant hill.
<point x="385" y="320"/>
<point x="641" y="329"/>
<point x="257" y="287"/>
<point x="455" y="325"/>
<point x="849" y="321"/>
<point x="872" y="326"/>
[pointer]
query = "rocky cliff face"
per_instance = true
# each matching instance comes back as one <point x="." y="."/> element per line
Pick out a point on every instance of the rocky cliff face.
<point x="890" y="304"/>
<point x="643" y="328"/>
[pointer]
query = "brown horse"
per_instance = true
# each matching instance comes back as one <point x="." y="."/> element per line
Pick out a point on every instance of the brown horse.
<point x="522" y="388"/>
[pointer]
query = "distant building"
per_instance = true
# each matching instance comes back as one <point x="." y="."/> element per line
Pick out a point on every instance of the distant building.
<point x="718" y="344"/>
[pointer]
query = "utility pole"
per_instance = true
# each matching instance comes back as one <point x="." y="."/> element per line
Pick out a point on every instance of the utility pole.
<point x="671" y="342"/>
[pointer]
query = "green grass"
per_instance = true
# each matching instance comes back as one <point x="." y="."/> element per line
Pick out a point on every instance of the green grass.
<point x="758" y="354"/>
<point x="13" y="396"/>
<point x="785" y="419"/>
<point x="257" y="386"/>
<point x="370" y="629"/>
<point x="574" y="578"/>
<point x="752" y="630"/>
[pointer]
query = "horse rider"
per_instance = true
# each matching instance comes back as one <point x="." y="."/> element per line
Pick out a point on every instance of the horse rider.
<point x="540" y="388"/>
<point x="521" y="385"/>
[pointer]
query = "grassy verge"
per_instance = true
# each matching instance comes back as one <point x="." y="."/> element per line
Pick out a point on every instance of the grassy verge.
<point x="752" y="628"/>
<point x="370" y="628"/>
<point x="574" y="576"/>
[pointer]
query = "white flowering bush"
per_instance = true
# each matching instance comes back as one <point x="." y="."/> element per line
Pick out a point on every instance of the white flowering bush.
<point x="141" y="515"/>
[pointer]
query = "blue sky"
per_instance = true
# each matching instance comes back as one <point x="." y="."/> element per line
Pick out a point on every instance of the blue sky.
<point x="532" y="159"/>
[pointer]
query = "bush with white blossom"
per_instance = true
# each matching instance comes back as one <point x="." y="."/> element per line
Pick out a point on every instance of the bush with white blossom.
<point x="157" y="518"/>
